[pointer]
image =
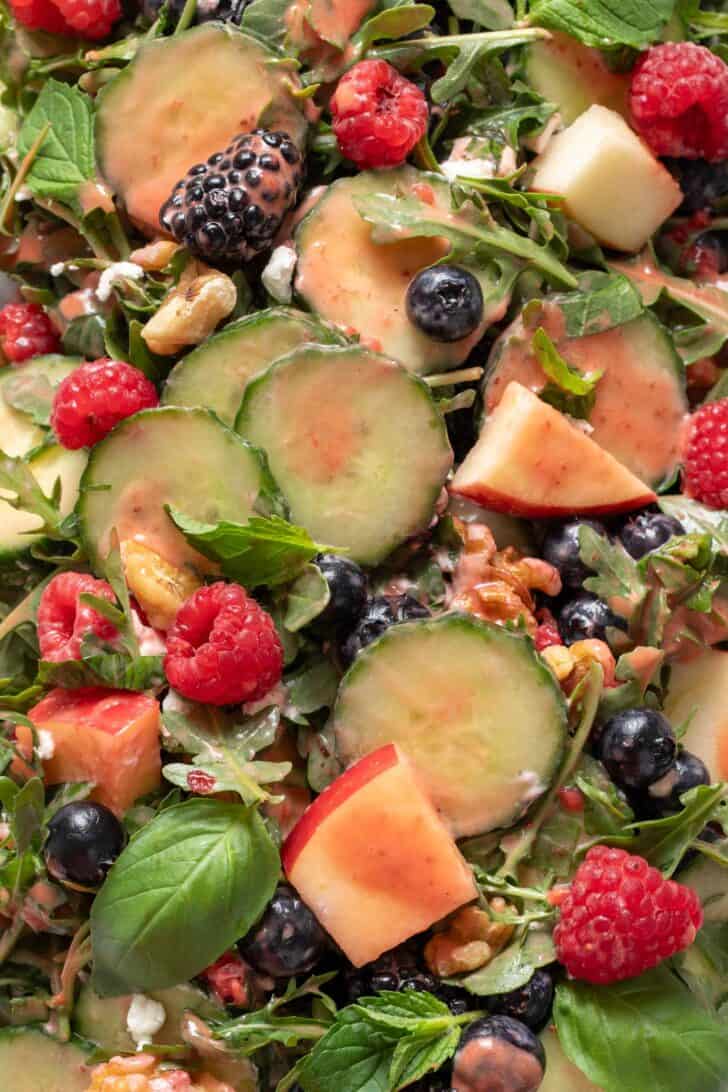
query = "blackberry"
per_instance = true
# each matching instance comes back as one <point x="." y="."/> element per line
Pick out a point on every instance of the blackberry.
<point x="647" y="532"/>
<point x="638" y="747"/>
<point x="231" y="207"/>
<point x="380" y="613"/>
<point x="287" y="940"/>
<point x="585" y="617"/>
<point x="704" y="185"/>
<point x="84" y="840"/>
<point x="445" y="302"/>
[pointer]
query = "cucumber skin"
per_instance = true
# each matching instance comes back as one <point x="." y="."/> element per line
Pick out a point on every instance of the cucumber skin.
<point x="267" y="484"/>
<point x="75" y="1044"/>
<point x="467" y="622"/>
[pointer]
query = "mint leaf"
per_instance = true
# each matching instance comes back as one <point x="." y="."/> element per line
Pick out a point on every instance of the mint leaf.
<point x="635" y="23"/>
<point x="66" y="157"/>
<point x="602" y="301"/>
<point x="647" y="1032"/>
<point x="569" y="390"/>
<point x="265" y="550"/>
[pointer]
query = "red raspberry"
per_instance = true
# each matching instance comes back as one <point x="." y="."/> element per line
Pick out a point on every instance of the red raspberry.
<point x="705" y="465"/>
<point x="227" y="978"/>
<point x="679" y="101"/>
<point x="223" y="648"/>
<point x="63" y="621"/>
<point x="378" y="115"/>
<point x="95" y="397"/>
<point x="90" y="18"/>
<point x="547" y="633"/>
<point x="621" y="917"/>
<point x="40" y="15"/>
<point x="26" y="331"/>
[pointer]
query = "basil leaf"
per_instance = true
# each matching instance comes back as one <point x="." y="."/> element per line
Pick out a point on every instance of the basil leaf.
<point x="187" y="886"/>
<point x="65" y="159"/>
<point x="601" y="23"/>
<point x="569" y="390"/>
<point x="265" y="550"/>
<point x="648" y="1032"/>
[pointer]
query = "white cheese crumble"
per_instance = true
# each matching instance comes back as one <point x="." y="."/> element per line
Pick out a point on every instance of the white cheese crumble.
<point x="46" y="745"/>
<point x="144" y="1018"/>
<point x="150" y="642"/>
<point x="277" y="277"/>
<point x="113" y="273"/>
<point x="57" y="268"/>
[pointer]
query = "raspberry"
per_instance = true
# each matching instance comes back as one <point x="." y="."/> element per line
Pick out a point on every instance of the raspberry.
<point x="621" y="917"/>
<point x="63" y="621"/>
<point x="227" y="978"/>
<point x="40" y="15"/>
<point x="90" y="18"/>
<point x="705" y="465"/>
<point x="95" y="397"/>
<point x="26" y="331"/>
<point x="223" y="648"/>
<point x="378" y="115"/>
<point x="547" y="632"/>
<point x="679" y="101"/>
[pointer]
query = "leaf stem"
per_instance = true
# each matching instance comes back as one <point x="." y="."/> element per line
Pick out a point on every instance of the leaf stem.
<point x="447" y="379"/>
<point x="185" y="19"/>
<point x="21" y="176"/>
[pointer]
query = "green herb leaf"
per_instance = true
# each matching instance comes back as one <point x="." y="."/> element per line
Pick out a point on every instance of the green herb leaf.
<point x="698" y="518"/>
<point x="491" y="14"/>
<point x="569" y="390"/>
<point x="602" y="301"/>
<point x="31" y="393"/>
<point x="308" y="596"/>
<point x="617" y="574"/>
<point x="647" y="1032"/>
<point x="635" y="23"/>
<point x="265" y="550"/>
<point x="27" y="495"/>
<point x="188" y="885"/>
<point x="513" y="967"/>
<point x="66" y="157"/>
<point x="248" y="1033"/>
<point x="313" y="686"/>
<point x="116" y="669"/>
<point x="392" y="23"/>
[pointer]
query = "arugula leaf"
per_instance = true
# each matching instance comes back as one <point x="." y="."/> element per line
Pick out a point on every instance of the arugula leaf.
<point x="308" y="596"/>
<point x="392" y="23"/>
<point x="513" y="967"/>
<point x="188" y="885"/>
<point x="599" y="23"/>
<point x="638" y="674"/>
<point x="254" y="1030"/>
<point x="493" y="128"/>
<point x="601" y="302"/>
<point x="105" y="668"/>
<point x="618" y="574"/>
<point x="31" y="393"/>
<point x="647" y="1032"/>
<point x="491" y="14"/>
<point x="27" y="495"/>
<point x="312" y="686"/>
<point x="569" y="390"/>
<point x="66" y="157"/>
<point x="698" y="518"/>
<point x="265" y="550"/>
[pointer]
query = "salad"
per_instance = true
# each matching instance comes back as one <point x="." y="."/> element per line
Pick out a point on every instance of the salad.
<point x="363" y="546"/>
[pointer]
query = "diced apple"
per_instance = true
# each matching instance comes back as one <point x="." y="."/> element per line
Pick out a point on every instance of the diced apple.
<point x="110" y="737"/>
<point x="529" y="460"/>
<point x="373" y="860"/>
<point x="574" y="76"/>
<point x="698" y="696"/>
<point x="612" y="184"/>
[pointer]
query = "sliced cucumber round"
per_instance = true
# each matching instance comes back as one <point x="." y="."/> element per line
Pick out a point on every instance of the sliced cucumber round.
<point x="30" y="1060"/>
<point x="361" y="285"/>
<point x="472" y="705"/>
<point x="216" y="373"/>
<point x="102" y="1020"/>
<point x="183" y="457"/>
<point x="356" y="444"/>
<point x="19" y="434"/>
<point x="48" y="464"/>
<point x="640" y="404"/>
<point x="181" y="99"/>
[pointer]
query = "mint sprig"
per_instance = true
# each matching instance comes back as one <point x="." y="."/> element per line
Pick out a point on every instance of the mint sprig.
<point x="599" y="23"/>
<point x="65" y="159"/>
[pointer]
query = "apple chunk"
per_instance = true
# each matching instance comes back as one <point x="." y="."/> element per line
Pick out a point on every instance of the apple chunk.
<point x="611" y="182"/>
<point x="530" y="461"/>
<point x="697" y="697"/>
<point x="373" y="860"/>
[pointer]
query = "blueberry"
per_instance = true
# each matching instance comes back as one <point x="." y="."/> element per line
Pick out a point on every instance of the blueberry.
<point x="348" y="590"/>
<point x="585" y="617"/>
<point x="638" y="747"/>
<point x="383" y="980"/>
<point x="422" y="981"/>
<point x="648" y="531"/>
<point x="561" y="549"/>
<point x="287" y="940"/>
<point x="531" y="1003"/>
<point x="704" y="185"/>
<point x="84" y="839"/>
<point x="445" y="302"/>
<point x="500" y="1053"/>
<point x="380" y="613"/>
<point x="687" y="771"/>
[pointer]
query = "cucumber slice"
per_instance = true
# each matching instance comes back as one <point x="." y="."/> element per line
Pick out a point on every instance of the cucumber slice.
<point x="102" y="1020"/>
<point x="640" y="403"/>
<point x="361" y="285"/>
<point x="183" y="457"/>
<point x="561" y="1074"/>
<point x="181" y="99"/>
<point x="48" y="465"/>
<point x="30" y="1061"/>
<point x="709" y="881"/>
<point x="215" y="374"/>
<point x="472" y="705"/>
<point x="18" y="433"/>
<point x="356" y="444"/>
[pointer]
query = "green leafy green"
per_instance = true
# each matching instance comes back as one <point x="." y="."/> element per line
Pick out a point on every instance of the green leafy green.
<point x="308" y="596"/>
<point x="704" y="966"/>
<point x="265" y="550"/>
<point x="697" y="518"/>
<point x="66" y="158"/>
<point x="100" y="667"/>
<point x="647" y="1032"/>
<point x="312" y="686"/>
<point x="265" y="19"/>
<point x="513" y="967"/>
<point x="30" y="392"/>
<point x="187" y="886"/>
<point x="27" y="495"/>
<point x="392" y="23"/>
<point x="599" y="23"/>
<point x="568" y="389"/>
<point x="601" y="302"/>
<point x="254" y="1030"/>
<point x="617" y="573"/>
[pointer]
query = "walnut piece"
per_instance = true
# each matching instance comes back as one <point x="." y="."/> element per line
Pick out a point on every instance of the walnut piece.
<point x="471" y="939"/>
<point x="191" y="311"/>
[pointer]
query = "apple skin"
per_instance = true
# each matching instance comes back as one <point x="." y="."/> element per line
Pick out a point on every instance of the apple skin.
<point x="512" y="506"/>
<point x="373" y="860"/>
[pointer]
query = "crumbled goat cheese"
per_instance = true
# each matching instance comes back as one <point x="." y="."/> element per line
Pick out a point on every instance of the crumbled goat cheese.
<point x="46" y="745"/>
<point x="113" y="273"/>
<point x="144" y="1018"/>
<point x="277" y="277"/>
<point x="57" y="268"/>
